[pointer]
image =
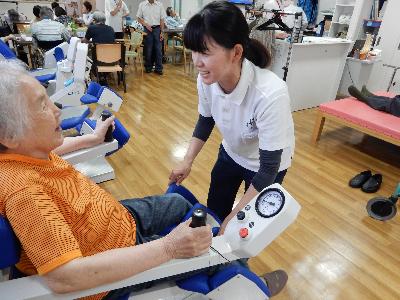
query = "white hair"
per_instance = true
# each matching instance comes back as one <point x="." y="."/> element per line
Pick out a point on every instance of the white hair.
<point x="14" y="117"/>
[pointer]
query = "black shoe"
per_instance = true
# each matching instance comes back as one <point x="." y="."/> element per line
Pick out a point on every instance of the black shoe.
<point x="159" y="72"/>
<point x="148" y="71"/>
<point x="353" y="91"/>
<point x="372" y="184"/>
<point x="358" y="180"/>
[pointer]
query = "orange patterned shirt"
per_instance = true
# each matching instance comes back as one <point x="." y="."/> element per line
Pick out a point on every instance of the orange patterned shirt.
<point x="58" y="214"/>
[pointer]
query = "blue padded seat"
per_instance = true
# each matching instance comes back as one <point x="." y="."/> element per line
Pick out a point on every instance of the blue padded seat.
<point x="74" y="121"/>
<point x="6" y="52"/>
<point x="9" y="247"/>
<point x="202" y="283"/>
<point x="46" y="77"/>
<point x="58" y="54"/>
<point x="92" y="94"/>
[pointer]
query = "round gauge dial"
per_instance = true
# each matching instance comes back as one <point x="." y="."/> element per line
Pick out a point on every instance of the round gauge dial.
<point x="270" y="202"/>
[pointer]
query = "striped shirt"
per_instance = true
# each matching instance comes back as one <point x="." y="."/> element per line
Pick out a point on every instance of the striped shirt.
<point x="49" y="30"/>
<point x="58" y="214"/>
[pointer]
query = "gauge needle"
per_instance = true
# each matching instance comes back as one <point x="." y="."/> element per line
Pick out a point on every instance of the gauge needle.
<point x="271" y="203"/>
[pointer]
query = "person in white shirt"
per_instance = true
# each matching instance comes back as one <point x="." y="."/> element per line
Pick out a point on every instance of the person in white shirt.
<point x="115" y="10"/>
<point x="249" y="104"/>
<point x="151" y="15"/>
<point x="87" y="13"/>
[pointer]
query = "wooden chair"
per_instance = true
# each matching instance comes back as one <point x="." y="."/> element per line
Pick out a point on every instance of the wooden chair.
<point x="179" y="47"/>
<point x="22" y="27"/>
<point x="134" y="44"/>
<point x="110" y="58"/>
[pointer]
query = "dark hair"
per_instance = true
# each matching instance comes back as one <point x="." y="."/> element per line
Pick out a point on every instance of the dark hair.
<point x="226" y="25"/>
<point x="169" y="11"/>
<point x="54" y="5"/>
<point x="36" y="11"/>
<point x="13" y="15"/>
<point x="88" y="6"/>
<point x="59" y="11"/>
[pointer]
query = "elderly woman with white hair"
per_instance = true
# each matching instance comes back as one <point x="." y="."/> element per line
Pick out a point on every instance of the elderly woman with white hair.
<point x="99" y="32"/>
<point x="74" y="234"/>
<point x="18" y="119"/>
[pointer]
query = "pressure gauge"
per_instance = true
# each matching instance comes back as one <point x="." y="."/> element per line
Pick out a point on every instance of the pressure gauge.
<point x="270" y="202"/>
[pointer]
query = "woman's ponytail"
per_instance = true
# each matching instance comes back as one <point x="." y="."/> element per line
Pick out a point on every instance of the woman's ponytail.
<point x="257" y="53"/>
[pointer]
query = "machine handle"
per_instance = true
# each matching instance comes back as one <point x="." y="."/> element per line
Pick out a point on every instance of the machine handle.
<point x="199" y="218"/>
<point x="109" y="134"/>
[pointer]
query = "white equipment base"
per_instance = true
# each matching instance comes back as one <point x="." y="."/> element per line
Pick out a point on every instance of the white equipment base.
<point x="91" y="161"/>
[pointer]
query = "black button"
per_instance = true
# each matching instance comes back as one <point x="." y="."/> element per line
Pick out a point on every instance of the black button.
<point x="251" y="224"/>
<point x="240" y="215"/>
<point x="247" y="207"/>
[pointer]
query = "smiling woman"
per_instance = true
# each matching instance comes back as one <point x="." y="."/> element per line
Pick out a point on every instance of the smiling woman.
<point x="249" y="104"/>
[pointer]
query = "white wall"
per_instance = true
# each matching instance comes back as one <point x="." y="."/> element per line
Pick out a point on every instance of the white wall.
<point x="324" y="5"/>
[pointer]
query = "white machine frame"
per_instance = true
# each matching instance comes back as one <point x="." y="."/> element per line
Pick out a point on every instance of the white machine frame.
<point x="92" y="161"/>
<point x="230" y="246"/>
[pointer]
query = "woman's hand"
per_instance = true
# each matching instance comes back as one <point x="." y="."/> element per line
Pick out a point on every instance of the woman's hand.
<point x="224" y="223"/>
<point x="180" y="172"/>
<point x="101" y="129"/>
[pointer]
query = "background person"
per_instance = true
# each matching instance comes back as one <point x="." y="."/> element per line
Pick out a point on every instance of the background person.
<point x="36" y="13"/>
<point x="87" y="14"/>
<point x="99" y="32"/>
<point x="151" y="15"/>
<point x="115" y="10"/>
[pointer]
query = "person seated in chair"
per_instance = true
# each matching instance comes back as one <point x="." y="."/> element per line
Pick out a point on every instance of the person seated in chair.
<point x="48" y="30"/>
<point x="36" y="13"/>
<point x="99" y="32"/>
<point x="172" y="21"/>
<point x="382" y="103"/>
<point x="61" y="16"/>
<point x="72" y="232"/>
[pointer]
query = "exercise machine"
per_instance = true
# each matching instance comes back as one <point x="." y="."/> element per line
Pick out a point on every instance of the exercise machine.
<point x="265" y="217"/>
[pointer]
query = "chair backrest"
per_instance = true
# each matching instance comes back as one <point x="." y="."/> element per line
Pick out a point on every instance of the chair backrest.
<point x="22" y="27"/>
<point x="9" y="246"/>
<point x="5" y="51"/>
<point x="108" y="53"/>
<point x="136" y="39"/>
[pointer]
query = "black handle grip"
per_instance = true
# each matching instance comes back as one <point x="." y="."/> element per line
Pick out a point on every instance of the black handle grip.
<point x="199" y="218"/>
<point x="109" y="134"/>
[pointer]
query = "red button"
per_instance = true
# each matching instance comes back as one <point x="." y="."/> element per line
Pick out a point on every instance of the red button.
<point x="243" y="232"/>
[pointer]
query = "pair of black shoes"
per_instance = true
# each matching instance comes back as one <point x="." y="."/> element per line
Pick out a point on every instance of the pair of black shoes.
<point x="366" y="181"/>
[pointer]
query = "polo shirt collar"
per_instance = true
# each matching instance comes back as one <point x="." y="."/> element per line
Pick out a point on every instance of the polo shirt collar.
<point x="238" y="94"/>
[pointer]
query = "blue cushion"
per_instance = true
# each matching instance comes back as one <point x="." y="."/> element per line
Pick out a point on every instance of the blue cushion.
<point x="181" y="190"/>
<point x="197" y="283"/>
<point x="46" y="77"/>
<point x="6" y="51"/>
<point x="93" y="88"/>
<point x="88" y="99"/>
<point x="58" y="54"/>
<point x="226" y="274"/>
<point x="74" y="121"/>
<point x="9" y="246"/>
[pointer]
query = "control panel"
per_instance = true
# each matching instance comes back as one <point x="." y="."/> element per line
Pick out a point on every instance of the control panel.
<point x="265" y="217"/>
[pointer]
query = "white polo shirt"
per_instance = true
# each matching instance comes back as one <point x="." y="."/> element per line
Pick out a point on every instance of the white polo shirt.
<point x="256" y="115"/>
<point x="115" y="21"/>
<point x="151" y="13"/>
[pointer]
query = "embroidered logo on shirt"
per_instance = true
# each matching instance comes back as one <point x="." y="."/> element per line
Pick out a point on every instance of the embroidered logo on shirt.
<point x="251" y="124"/>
